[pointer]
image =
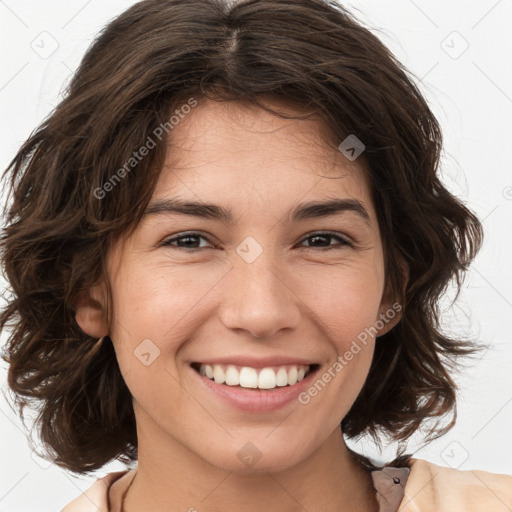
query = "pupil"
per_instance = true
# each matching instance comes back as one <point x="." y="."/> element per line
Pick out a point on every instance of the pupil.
<point x="324" y="237"/>
<point x="189" y="238"/>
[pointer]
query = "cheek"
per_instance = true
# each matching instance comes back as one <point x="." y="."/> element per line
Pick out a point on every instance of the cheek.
<point x="347" y="324"/>
<point x="345" y="304"/>
<point x="345" y="299"/>
<point x="154" y="300"/>
<point x="156" y="310"/>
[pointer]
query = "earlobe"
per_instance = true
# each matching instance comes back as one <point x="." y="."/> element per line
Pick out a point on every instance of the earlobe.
<point x="91" y="312"/>
<point x="391" y="313"/>
<point x="388" y="318"/>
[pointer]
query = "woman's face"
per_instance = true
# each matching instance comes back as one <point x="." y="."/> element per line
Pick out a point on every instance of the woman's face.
<point x="253" y="289"/>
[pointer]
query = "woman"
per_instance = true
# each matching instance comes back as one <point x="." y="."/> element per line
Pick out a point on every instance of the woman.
<point x="287" y="142"/>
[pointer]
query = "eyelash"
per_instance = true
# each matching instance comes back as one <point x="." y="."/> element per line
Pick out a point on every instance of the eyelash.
<point x="193" y="234"/>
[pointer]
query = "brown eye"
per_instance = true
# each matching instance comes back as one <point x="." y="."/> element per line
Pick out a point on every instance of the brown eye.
<point x="185" y="241"/>
<point x="324" y="239"/>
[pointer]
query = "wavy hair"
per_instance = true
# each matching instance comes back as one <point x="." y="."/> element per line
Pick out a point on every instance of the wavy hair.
<point x="146" y="64"/>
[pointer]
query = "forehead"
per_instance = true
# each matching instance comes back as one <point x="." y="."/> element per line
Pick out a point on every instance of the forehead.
<point x="237" y="152"/>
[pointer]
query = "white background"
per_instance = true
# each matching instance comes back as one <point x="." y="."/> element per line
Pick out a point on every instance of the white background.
<point x="470" y="92"/>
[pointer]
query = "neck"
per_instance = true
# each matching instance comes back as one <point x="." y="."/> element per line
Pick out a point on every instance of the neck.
<point x="168" y="473"/>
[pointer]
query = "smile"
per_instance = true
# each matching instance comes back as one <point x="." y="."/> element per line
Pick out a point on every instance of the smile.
<point x="256" y="378"/>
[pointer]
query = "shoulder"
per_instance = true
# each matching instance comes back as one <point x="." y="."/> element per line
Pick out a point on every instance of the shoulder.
<point x="95" y="498"/>
<point x="431" y="487"/>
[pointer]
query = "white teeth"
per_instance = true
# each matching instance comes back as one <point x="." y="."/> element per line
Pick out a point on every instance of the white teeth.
<point x="246" y="377"/>
<point x="292" y="376"/>
<point x="232" y="376"/>
<point x="282" y="377"/>
<point x="267" y="379"/>
<point x="218" y="374"/>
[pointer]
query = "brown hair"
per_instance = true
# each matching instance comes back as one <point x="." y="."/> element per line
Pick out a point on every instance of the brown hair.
<point x="147" y="62"/>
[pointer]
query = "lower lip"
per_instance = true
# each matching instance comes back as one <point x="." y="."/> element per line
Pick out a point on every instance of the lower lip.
<point x="257" y="400"/>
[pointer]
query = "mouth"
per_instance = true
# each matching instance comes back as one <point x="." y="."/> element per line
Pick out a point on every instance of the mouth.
<point x="267" y="378"/>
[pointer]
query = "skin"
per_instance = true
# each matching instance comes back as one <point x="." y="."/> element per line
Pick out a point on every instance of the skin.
<point x="293" y="300"/>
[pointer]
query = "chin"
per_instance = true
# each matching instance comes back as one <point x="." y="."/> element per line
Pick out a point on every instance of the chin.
<point x="259" y="455"/>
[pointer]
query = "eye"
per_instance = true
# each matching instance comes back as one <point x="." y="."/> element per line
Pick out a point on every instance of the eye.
<point x="190" y="241"/>
<point x="185" y="241"/>
<point x="325" y="237"/>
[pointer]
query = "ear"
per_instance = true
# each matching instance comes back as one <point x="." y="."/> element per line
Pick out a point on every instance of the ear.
<point x="390" y="311"/>
<point x="91" y="311"/>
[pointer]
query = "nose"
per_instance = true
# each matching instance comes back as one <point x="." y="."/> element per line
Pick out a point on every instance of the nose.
<point x="259" y="298"/>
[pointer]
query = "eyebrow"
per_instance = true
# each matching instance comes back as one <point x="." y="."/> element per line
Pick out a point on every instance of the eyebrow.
<point x="309" y="210"/>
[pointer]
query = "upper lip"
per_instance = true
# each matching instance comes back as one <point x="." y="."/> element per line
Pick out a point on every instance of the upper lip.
<point x="256" y="362"/>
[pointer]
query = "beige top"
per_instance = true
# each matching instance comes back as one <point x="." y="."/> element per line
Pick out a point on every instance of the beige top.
<point x="428" y="488"/>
